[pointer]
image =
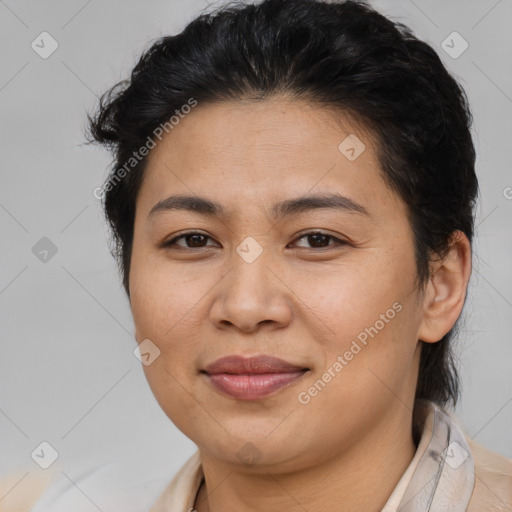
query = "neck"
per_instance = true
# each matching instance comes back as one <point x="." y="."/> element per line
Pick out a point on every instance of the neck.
<point x="358" y="479"/>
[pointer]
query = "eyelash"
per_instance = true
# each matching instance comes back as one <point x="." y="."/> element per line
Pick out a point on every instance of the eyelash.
<point x="338" y="243"/>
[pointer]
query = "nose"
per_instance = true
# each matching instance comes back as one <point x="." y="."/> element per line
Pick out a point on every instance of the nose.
<point x="252" y="295"/>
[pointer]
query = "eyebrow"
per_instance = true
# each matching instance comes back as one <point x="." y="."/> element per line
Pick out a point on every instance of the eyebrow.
<point x="204" y="206"/>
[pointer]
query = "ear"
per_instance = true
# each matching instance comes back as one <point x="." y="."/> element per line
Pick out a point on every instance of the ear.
<point x="445" y="292"/>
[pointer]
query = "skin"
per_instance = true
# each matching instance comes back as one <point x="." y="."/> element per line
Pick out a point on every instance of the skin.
<point x="302" y="300"/>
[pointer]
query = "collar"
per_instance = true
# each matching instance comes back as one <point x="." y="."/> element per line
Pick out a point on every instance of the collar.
<point x="444" y="473"/>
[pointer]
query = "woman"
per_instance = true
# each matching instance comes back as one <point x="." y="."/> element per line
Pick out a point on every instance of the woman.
<point x="292" y="204"/>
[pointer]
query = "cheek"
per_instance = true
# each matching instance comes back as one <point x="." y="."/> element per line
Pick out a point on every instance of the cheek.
<point x="163" y="312"/>
<point x="372" y="315"/>
<point x="367" y="331"/>
<point x="163" y="298"/>
<point x="353" y="296"/>
<point x="175" y="397"/>
<point x="365" y="370"/>
<point x="172" y="324"/>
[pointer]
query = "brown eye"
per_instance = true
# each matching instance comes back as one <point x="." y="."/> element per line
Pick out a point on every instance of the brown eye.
<point x="196" y="240"/>
<point x="193" y="240"/>
<point x="318" y="240"/>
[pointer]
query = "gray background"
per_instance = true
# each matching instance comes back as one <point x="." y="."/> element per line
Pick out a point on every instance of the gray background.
<point x="67" y="370"/>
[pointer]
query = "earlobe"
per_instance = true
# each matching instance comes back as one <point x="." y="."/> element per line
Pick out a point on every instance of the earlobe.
<point x="445" y="292"/>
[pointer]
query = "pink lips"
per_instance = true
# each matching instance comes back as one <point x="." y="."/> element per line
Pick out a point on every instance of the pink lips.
<point x="251" y="378"/>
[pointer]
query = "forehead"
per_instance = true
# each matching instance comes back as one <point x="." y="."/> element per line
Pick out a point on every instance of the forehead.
<point x="239" y="129"/>
<point x="248" y="151"/>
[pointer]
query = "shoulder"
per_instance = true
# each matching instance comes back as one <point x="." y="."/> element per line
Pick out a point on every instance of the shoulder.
<point x="116" y="485"/>
<point x="20" y="491"/>
<point x="493" y="480"/>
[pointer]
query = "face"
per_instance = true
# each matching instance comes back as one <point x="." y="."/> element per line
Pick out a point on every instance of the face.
<point x="327" y="285"/>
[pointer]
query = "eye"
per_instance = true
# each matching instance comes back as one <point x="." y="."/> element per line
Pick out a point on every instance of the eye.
<point x="319" y="240"/>
<point x="193" y="239"/>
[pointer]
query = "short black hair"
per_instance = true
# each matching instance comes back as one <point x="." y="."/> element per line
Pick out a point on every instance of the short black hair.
<point x="343" y="55"/>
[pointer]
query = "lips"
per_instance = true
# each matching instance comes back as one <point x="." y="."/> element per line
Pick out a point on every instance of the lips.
<point x="251" y="365"/>
<point x="251" y="378"/>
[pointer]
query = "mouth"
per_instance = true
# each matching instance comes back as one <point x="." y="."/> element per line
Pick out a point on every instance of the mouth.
<point x="252" y="378"/>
